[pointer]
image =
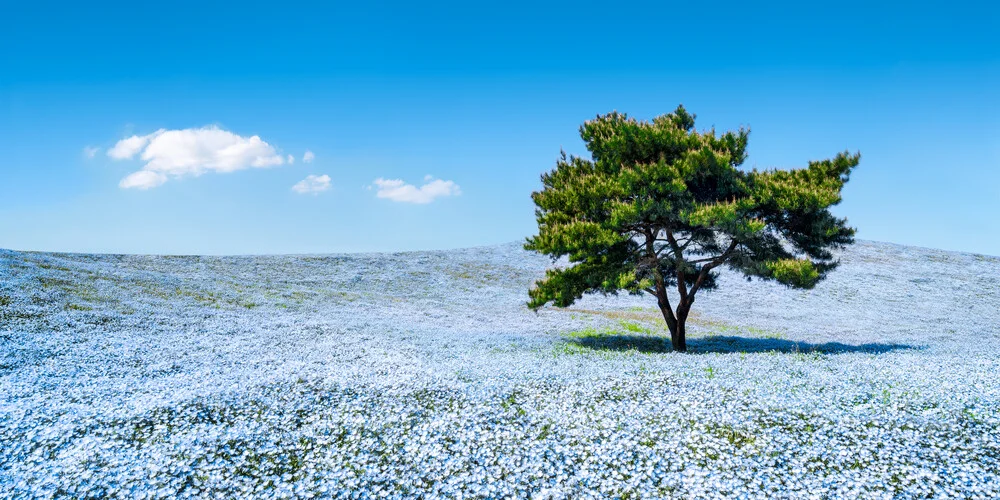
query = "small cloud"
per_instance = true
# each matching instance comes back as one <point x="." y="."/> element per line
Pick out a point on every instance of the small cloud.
<point x="90" y="151"/>
<point x="312" y="184"/>
<point x="399" y="191"/>
<point x="193" y="151"/>
<point x="308" y="157"/>
<point x="127" y="148"/>
<point x="143" y="179"/>
<point x="291" y="159"/>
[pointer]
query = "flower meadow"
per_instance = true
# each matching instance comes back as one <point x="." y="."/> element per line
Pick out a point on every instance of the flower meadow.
<point x="423" y="375"/>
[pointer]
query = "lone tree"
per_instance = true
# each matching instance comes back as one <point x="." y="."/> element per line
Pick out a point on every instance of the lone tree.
<point x="663" y="206"/>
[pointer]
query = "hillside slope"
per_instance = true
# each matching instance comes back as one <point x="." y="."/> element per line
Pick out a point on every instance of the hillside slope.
<point x="423" y="373"/>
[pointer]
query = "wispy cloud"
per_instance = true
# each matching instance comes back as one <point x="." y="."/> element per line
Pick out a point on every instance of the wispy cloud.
<point x="143" y="179"/>
<point x="127" y="148"/>
<point x="312" y="184"/>
<point x="308" y="157"/>
<point x="399" y="191"/>
<point x="193" y="151"/>
<point x="90" y="151"/>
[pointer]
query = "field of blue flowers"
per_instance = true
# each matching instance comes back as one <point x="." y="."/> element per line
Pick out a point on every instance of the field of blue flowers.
<point x="423" y="375"/>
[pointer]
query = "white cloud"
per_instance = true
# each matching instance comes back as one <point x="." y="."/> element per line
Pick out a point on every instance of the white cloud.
<point x="127" y="148"/>
<point x="90" y="151"/>
<point x="312" y="184"/>
<point x="193" y="151"/>
<point x="397" y="190"/>
<point x="308" y="157"/>
<point x="291" y="159"/>
<point x="143" y="179"/>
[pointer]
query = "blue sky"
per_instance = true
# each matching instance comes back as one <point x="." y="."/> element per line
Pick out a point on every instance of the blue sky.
<point x="480" y="98"/>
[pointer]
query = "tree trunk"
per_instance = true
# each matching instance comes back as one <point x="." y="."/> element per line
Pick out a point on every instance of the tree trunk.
<point x="677" y="340"/>
<point x="675" y="323"/>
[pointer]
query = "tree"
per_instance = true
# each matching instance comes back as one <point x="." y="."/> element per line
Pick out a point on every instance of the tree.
<point x="662" y="206"/>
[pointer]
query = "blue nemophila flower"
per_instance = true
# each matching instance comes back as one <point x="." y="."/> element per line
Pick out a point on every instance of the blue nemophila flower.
<point x="423" y="375"/>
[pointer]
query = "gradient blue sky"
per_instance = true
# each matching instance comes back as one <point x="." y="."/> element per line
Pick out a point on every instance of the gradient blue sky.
<point x="483" y="95"/>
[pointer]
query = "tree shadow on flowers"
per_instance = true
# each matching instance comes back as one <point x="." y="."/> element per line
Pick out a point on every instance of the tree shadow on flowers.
<point x="641" y="343"/>
<point x="727" y="344"/>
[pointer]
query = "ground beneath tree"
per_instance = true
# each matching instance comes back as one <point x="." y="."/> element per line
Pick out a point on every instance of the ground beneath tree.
<point x="423" y="375"/>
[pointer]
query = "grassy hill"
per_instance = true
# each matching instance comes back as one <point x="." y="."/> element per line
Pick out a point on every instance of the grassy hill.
<point x="423" y="375"/>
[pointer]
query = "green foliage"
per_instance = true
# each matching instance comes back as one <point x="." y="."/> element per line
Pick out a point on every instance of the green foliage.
<point x="799" y="273"/>
<point x="660" y="205"/>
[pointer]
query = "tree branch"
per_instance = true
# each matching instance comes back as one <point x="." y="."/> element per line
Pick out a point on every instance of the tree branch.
<point x="679" y="261"/>
<point x="661" y="289"/>
<point x="707" y="259"/>
<point x="662" y="248"/>
<point x="714" y="263"/>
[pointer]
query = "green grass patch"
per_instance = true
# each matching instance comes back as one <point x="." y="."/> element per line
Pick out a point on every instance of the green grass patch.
<point x="481" y="273"/>
<point x="626" y="336"/>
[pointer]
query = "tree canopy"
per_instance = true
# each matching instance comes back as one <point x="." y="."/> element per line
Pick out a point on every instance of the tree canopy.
<point x="661" y="206"/>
